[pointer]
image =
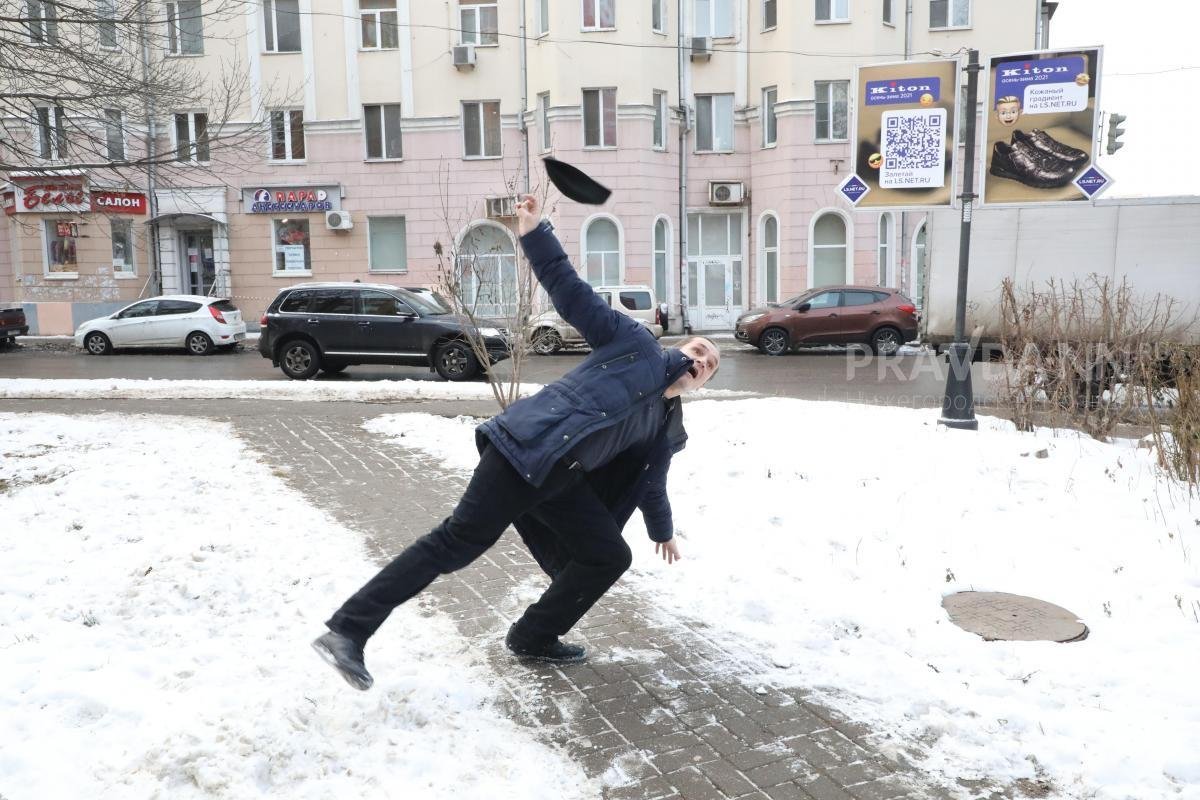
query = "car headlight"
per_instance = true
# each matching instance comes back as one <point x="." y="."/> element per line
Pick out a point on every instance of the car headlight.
<point x="746" y="320"/>
<point x="491" y="332"/>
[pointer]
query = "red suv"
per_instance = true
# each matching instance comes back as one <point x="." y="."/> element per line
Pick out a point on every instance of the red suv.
<point x="882" y="319"/>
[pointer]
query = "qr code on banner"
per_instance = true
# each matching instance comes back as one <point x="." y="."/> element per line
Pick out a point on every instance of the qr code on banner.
<point x="914" y="149"/>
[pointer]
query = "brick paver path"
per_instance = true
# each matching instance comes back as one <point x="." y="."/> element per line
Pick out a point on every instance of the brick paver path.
<point x="658" y="711"/>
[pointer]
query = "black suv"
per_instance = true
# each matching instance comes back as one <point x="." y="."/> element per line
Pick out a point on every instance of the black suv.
<point x="331" y="326"/>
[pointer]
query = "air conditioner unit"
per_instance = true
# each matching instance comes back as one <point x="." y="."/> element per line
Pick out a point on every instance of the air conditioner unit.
<point x="501" y="207"/>
<point x="338" y="220"/>
<point x="464" y="56"/>
<point x="701" y="48"/>
<point x="726" y="193"/>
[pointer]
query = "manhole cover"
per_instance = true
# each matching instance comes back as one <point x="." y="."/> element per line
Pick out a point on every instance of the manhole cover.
<point x="997" y="616"/>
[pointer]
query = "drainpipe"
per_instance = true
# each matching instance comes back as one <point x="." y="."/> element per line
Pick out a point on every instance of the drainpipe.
<point x="683" y="140"/>
<point x="155" y="278"/>
<point x="524" y="100"/>
<point x="903" y="256"/>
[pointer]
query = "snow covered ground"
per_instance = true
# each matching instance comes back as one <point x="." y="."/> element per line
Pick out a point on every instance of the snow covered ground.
<point x="156" y="607"/>
<point x="824" y="536"/>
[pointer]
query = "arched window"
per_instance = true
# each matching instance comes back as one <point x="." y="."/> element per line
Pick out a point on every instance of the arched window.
<point x="885" y="249"/>
<point x="487" y="263"/>
<point x="828" y="262"/>
<point x="770" y="258"/>
<point x="919" y="266"/>
<point x="662" y="258"/>
<point x="602" y="251"/>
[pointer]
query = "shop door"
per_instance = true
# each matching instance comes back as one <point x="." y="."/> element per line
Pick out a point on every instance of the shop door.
<point x="714" y="270"/>
<point x="199" y="266"/>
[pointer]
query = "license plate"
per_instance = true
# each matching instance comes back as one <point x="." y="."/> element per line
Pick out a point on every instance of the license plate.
<point x="237" y="337"/>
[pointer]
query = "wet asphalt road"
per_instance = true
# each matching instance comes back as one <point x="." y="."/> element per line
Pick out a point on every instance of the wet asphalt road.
<point x="914" y="380"/>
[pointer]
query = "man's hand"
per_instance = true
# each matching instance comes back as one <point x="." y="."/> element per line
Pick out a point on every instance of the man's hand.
<point x="529" y="214"/>
<point x="669" y="550"/>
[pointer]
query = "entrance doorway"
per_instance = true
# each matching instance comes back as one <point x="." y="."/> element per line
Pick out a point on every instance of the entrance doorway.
<point x="199" y="265"/>
<point x="714" y="270"/>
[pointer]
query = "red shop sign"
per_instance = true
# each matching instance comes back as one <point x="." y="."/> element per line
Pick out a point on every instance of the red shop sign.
<point x="53" y="195"/>
<point x="119" y="202"/>
<point x="9" y="201"/>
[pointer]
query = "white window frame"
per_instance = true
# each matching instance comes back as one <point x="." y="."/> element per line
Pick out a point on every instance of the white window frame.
<point x="46" y="26"/>
<point x="272" y="30"/>
<point x="885" y="249"/>
<point x="506" y="305"/>
<point x="473" y="33"/>
<point x="52" y="137"/>
<point x="833" y="18"/>
<point x="116" y="124"/>
<point x="173" y="13"/>
<point x="127" y="224"/>
<point x="371" y="256"/>
<point x="661" y="115"/>
<point x="889" y="13"/>
<point x="658" y="24"/>
<point x="46" y="273"/>
<point x="712" y="19"/>
<point x="601" y="127"/>
<point x="106" y="18"/>
<point x="848" y="226"/>
<point x="772" y="4"/>
<point x="289" y="273"/>
<point x="383" y="132"/>
<point x="543" y="17"/>
<point x="713" y="106"/>
<point x="192" y="143"/>
<point x="544" y="141"/>
<point x="667" y="262"/>
<point x="763" y="250"/>
<point x="288" y="145"/>
<point x="595" y="6"/>
<point x="483" y="154"/>
<point x="768" y="115"/>
<point x="376" y="23"/>
<point x="583" y="251"/>
<point x="828" y="101"/>
<point x="950" y="26"/>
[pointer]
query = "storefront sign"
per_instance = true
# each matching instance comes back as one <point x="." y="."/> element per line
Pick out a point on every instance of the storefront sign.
<point x="297" y="200"/>
<point x="903" y="133"/>
<point x="119" y="202"/>
<point x="51" y="195"/>
<point x="1040" y="135"/>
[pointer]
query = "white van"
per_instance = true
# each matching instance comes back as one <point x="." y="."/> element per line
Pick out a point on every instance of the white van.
<point x="549" y="333"/>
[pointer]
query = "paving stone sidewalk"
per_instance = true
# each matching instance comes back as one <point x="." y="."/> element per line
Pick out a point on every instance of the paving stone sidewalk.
<point x="660" y="710"/>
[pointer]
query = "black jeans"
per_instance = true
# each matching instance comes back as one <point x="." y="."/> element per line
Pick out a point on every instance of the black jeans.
<point x="586" y="557"/>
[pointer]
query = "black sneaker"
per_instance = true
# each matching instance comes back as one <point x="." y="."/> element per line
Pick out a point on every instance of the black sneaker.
<point x="346" y="656"/>
<point x="554" y="651"/>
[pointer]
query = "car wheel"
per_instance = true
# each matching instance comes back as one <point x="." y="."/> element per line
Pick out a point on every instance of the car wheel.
<point x="886" y="342"/>
<point x="97" y="344"/>
<point x="334" y="369"/>
<point x="198" y="344"/>
<point x="454" y="361"/>
<point x="547" y="341"/>
<point x="774" y="341"/>
<point x="299" y="359"/>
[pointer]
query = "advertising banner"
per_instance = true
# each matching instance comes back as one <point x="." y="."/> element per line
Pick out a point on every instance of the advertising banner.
<point x="292" y="200"/>
<point x="904" y="123"/>
<point x="1039" y="143"/>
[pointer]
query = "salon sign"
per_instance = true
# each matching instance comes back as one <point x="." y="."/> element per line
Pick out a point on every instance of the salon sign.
<point x="292" y="200"/>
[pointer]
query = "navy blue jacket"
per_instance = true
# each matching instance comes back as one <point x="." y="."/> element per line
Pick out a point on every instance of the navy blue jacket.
<point x="627" y="367"/>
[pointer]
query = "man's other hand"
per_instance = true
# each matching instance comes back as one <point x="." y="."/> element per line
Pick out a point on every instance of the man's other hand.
<point x="529" y="214"/>
<point x="669" y="550"/>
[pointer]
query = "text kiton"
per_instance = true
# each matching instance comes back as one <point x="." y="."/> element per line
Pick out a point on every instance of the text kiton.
<point x="901" y="89"/>
<point x="1018" y="72"/>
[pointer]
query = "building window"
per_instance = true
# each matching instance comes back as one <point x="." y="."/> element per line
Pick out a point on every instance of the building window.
<point x="888" y="19"/>
<point x="481" y="129"/>
<point x="61" y="256"/>
<point x="599" y="117"/>
<point x="281" y="24"/>
<point x="52" y="132"/>
<point x="377" y="19"/>
<point x="770" y="259"/>
<point x="599" y="14"/>
<point x="833" y="111"/>
<point x="714" y="18"/>
<point x="660" y="120"/>
<point x="185" y="28"/>
<point x="714" y="123"/>
<point x="387" y="244"/>
<point x="122" y="247"/>
<point x="885" y="249"/>
<point x="106" y="23"/>
<point x="382" y="124"/>
<point x="833" y="10"/>
<point x="602" y="252"/>
<point x="287" y="135"/>
<point x="949" y="13"/>
<point x="662" y="259"/>
<point x="770" y="15"/>
<point x="544" y="119"/>
<point x="43" y="22"/>
<point x="114" y="134"/>
<point x="769" y="125"/>
<point x="487" y="263"/>
<point x="191" y="136"/>
<point x="293" y="250"/>
<point x="477" y="23"/>
<point x="543" y="26"/>
<point x="658" y="16"/>
<point x="828" y="251"/>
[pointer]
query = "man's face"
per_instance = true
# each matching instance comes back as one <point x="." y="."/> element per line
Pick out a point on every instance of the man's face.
<point x="1008" y="113"/>
<point x="705" y="360"/>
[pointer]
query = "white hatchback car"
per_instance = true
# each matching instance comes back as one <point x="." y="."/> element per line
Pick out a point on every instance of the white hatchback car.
<point x="199" y="324"/>
<point x="549" y="333"/>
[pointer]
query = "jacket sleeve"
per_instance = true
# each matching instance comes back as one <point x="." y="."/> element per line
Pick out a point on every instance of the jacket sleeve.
<point x="573" y="298"/>
<point x="656" y="506"/>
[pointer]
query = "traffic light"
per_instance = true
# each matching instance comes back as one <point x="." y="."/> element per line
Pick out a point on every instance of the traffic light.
<point x="1115" y="132"/>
